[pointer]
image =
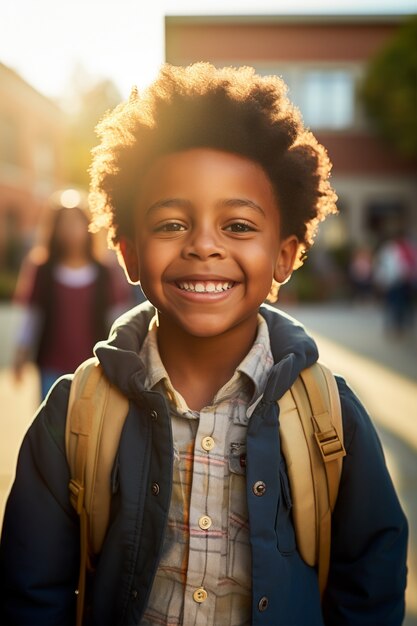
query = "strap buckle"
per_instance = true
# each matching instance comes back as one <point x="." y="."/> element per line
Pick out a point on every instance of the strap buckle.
<point x="77" y="493"/>
<point x="330" y="446"/>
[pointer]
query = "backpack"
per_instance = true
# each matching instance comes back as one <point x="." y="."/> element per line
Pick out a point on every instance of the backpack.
<point x="311" y="439"/>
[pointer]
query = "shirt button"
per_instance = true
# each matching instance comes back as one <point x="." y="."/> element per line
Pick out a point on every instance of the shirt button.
<point x="154" y="416"/>
<point x="259" y="488"/>
<point x="200" y="595"/>
<point x="155" y="489"/>
<point x="263" y="604"/>
<point x="205" y="522"/>
<point x="207" y="443"/>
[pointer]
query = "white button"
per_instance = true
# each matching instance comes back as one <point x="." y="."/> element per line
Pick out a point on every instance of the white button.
<point x="200" y="595"/>
<point x="207" y="443"/>
<point x="205" y="522"/>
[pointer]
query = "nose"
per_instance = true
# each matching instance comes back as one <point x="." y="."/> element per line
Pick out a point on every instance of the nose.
<point x="204" y="243"/>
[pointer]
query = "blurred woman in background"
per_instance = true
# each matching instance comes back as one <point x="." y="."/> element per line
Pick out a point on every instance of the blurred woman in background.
<point x="70" y="298"/>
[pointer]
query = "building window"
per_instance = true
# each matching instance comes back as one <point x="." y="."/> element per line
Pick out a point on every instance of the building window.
<point x="324" y="95"/>
<point x="386" y="217"/>
<point x="327" y="99"/>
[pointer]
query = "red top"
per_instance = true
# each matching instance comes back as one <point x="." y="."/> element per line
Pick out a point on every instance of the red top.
<point x="71" y="339"/>
<point x="73" y="317"/>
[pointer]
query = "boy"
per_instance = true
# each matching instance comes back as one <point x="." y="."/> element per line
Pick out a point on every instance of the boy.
<point x="211" y="190"/>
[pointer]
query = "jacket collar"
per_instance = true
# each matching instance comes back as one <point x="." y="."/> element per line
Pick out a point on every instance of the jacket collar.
<point x="292" y="349"/>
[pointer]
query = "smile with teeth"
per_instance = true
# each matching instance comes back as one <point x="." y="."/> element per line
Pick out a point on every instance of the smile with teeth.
<point x="209" y="286"/>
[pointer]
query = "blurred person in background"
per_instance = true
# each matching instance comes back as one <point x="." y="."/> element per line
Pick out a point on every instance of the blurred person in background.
<point x="70" y="297"/>
<point x="360" y="273"/>
<point x="395" y="276"/>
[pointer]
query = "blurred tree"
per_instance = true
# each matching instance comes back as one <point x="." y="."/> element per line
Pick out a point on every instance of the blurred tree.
<point x="389" y="90"/>
<point x="86" y="104"/>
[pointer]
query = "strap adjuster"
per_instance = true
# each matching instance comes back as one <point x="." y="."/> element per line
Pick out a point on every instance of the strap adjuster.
<point x="330" y="446"/>
<point x="77" y="493"/>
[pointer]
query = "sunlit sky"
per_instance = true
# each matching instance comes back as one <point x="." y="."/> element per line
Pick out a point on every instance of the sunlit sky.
<point x="44" y="40"/>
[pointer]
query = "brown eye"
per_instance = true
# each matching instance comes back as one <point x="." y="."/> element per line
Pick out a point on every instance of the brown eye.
<point x="240" y="227"/>
<point x="170" y="227"/>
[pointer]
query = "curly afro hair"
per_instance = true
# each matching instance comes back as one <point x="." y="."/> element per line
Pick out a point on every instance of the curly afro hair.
<point x="229" y="109"/>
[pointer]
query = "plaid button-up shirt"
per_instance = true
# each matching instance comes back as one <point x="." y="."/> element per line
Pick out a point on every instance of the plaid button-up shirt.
<point x="204" y="575"/>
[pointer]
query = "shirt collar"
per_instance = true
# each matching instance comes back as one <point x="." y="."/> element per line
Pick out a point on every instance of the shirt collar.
<point x="249" y="378"/>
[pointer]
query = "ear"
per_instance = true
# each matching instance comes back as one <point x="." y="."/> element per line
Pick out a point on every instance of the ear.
<point x="286" y="259"/>
<point x="128" y="259"/>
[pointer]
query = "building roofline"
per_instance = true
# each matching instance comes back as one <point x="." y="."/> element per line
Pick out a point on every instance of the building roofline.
<point x="302" y="18"/>
<point x="14" y="75"/>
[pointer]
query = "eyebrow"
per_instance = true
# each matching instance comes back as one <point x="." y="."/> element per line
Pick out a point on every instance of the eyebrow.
<point x="168" y="202"/>
<point x="238" y="202"/>
<point x="229" y="202"/>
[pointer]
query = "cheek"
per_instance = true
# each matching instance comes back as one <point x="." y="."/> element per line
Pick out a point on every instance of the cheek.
<point x="260" y="258"/>
<point x="153" y="261"/>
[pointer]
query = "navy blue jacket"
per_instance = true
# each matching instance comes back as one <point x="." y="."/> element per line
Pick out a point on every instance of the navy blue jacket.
<point x="39" y="551"/>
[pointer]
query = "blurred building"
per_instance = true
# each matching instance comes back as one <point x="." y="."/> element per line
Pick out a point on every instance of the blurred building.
<point x="31" y="161"/>
<point x="323" y="60"/>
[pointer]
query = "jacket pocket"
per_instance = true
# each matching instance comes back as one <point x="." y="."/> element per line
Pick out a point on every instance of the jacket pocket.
<point x="284" y="525"/>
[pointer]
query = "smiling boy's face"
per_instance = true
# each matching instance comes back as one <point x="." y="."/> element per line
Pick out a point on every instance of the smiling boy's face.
<point x="207" y="241"/>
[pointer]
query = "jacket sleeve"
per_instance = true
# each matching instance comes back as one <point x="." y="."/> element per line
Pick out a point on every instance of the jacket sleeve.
<point x="39" y="550"/>
<point x="367" y="577"/>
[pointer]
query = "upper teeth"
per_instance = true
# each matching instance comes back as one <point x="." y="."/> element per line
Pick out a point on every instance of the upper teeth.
<point x="203" y="287"/>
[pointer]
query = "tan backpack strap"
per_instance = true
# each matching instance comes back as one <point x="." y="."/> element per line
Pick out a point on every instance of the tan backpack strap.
<point x="327" y="420"/>
<point x="328" y="433"/>
<point x="312" y="444"/>
<point x="77" y="432"/>
<point x="95" y="418"/>
<point x="79" y="427"/>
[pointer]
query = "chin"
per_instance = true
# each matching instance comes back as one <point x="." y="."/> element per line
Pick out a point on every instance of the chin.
<point x="209" y="328"/>
<point x="204" y="331"/>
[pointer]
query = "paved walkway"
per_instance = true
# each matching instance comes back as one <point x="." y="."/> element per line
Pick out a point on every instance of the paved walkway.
<point x="351" y="342"/>
<point x="361" y="330"/>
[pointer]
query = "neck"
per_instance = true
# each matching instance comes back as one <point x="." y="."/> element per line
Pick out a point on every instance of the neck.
<point x="199" y="366"/>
